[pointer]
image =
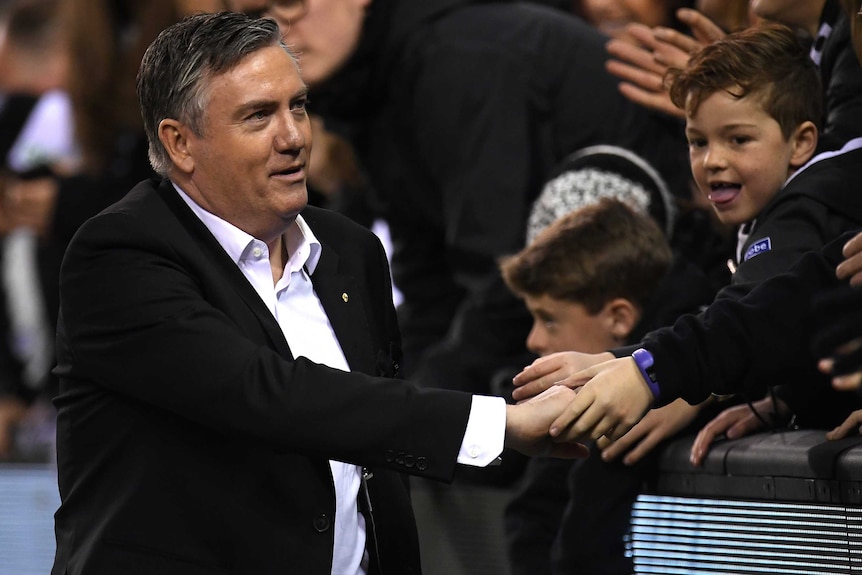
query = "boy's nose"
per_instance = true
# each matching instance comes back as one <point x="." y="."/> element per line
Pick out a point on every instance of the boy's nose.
<point x="536" y="342"/>
<point x="714" y="159"/>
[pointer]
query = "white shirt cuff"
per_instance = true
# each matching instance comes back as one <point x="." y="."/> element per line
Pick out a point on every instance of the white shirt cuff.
<point x="485" y="433"/>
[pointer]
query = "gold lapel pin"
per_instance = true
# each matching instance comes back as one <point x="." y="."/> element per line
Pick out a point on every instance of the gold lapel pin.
<point x="344" y="297"/>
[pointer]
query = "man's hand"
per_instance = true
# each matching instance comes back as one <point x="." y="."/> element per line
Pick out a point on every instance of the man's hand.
<point x="735" y="422"/>
<point x="656" y="426"/>
<point x="552" y="369"/>
<point x="613" y="397"/>
<point x="528" y="422"/>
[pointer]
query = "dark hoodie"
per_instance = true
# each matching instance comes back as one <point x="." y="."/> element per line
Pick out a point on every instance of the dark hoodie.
<point x="459" y="110"/>
<point x="757" y="333"/>
<point x="816" y="206"/>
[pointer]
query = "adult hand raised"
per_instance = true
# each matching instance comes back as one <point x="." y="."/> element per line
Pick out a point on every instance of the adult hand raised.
<point x="642" y="66"/>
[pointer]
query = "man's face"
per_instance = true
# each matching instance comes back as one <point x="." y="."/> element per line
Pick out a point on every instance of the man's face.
<point x="249" y="165"/>
<point x="560" y="325"/>
<point x="739" y="157"/>
<point x="323" y="33"/>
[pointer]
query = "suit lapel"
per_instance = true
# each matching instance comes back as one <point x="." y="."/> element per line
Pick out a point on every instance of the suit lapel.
<point x="342" y="302"/>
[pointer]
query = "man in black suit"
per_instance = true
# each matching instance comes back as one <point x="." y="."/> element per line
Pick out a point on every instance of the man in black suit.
<point x="226" y="354"/>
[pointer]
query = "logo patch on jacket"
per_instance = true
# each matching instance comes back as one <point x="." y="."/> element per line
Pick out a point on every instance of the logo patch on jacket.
<point x="757" y="248"/>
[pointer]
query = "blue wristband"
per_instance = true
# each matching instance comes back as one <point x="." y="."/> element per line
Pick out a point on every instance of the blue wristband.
<point x="645" y="362"/>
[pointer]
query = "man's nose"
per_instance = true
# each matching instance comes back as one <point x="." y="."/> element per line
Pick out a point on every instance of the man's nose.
<point x="290" y="135"/>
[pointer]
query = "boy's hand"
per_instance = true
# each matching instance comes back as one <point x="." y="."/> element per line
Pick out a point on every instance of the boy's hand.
<point x="733" y="423"/>
<point x="656" y="426"/>
<point x="552" y="369"/>
<point x="613" y="397"/>
<point x="853" y="424"/>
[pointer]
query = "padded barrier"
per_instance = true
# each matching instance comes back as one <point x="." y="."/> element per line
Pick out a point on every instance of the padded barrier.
<point x="781" y="502"/>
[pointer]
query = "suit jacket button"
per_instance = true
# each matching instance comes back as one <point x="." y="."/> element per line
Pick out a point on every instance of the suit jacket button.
<point x="321" y="523"/>
<point x="421" y="463"/>
<point x="409" y="461"/>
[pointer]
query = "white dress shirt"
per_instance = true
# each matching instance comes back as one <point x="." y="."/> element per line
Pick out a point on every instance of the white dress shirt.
<point x="309" y="334"/>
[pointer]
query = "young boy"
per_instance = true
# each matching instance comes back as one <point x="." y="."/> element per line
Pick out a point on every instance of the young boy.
<point x="752" y="101"/>
<point x="600" y="277"/>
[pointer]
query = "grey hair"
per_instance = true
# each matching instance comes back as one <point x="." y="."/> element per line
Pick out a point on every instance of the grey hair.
<point x="176" y="71"/>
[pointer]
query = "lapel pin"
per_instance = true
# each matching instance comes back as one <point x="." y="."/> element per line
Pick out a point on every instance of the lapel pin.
<point x="344" y="297"/>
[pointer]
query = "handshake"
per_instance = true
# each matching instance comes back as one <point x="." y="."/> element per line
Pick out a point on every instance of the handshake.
<point x="559" y="405"/>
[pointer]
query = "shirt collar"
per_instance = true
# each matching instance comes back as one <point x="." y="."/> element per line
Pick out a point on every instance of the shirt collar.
<point x="301" y="241"/>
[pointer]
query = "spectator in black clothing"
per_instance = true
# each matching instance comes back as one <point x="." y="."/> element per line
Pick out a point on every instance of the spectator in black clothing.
<point x="458" y="111"/>
<point x="814" y="207"/>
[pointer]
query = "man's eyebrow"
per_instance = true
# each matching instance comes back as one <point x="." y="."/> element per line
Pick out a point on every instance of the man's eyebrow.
<point x="255" y="105"/>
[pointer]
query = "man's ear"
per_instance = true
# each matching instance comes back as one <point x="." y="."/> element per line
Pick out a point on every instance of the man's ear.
<point x="804" y="144"/>
<point x="174" y="136"/>
<point x="622" y="316"/>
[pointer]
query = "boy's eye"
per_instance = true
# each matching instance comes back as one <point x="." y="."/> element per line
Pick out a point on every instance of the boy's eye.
<point x="739" y="140"/>
<point x="696" y="142"/>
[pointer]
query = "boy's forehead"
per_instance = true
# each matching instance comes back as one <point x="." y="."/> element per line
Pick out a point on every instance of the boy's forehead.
<point x="549" y="305"/>
<point x="753" y="101"/>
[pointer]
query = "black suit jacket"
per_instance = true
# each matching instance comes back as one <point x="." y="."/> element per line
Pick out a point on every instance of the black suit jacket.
<point x="190" y="441"/>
